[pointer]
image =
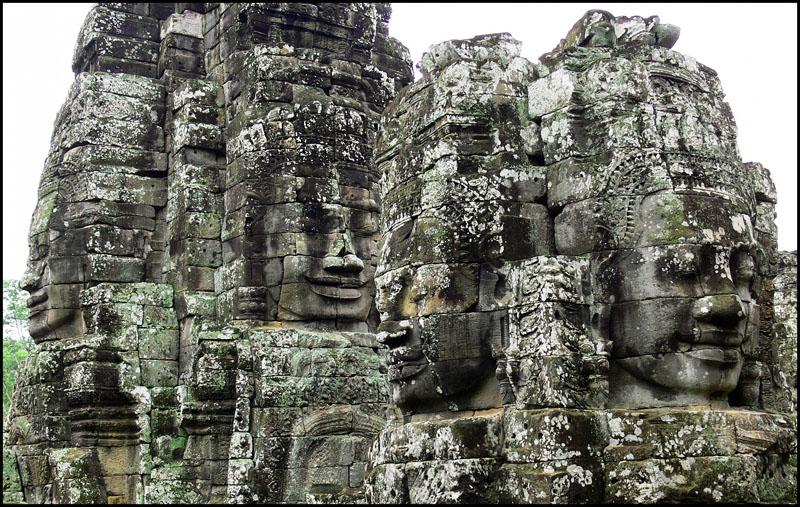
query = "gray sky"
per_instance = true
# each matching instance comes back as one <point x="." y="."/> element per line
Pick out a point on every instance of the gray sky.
<point x="753" y="47"/>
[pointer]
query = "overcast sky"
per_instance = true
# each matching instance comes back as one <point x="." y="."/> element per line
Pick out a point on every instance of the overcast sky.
<point x="753" y="47"/>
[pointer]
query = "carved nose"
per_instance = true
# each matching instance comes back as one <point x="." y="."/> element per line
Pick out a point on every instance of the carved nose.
<point x="31" y="280"/>
<point x="725" y="309"/>
<point x="348" y="264"/>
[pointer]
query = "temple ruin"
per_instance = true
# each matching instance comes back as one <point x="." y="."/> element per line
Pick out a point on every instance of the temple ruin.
<point x="268" y="266"/>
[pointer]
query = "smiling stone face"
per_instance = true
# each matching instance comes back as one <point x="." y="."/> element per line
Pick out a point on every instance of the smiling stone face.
<point x="302" y="204"/>
<point x="54" y="308"/>
<point x="460" y="199"/>
<point x="336" y="279"/>
<point x="681" y="315"/>
<point x="646" y="180"/>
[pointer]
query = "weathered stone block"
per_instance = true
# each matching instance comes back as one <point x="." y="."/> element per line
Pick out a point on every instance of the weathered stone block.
<point x="461" y="480"/>
<point x="156" y="343"/>
<point x="467" y="438"/>
<point x="578" y="482"/>
<point x="159" y="373"/>
<point x="551" y="435"/>
<point x="159" y="317"/>
<point x="709" y="479"/>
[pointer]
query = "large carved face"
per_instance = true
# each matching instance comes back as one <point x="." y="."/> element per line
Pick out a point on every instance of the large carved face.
<point x="54" y="281"/>
<point x="335" y="279"/>
<point x="680" y="303"/>
<point x="311" y="207"/>
<point x="436" y="275"/>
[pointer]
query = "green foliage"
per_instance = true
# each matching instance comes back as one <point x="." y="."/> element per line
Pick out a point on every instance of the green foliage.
<point x="15" y="307"/>
<point x="17" y="343"/>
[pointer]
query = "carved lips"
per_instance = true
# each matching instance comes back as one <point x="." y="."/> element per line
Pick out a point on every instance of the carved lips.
<point x="717" y="345"/>
<point x="405" y="362"/>
<point x="336" y="287"/>
<point x="717" y="355"/>
<point x="38" y="307"/>
<point x="36" y="302"/>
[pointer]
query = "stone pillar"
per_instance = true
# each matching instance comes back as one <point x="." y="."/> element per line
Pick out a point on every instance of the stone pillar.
<point x="645" y="180"/>
<point x="303" y="87"/>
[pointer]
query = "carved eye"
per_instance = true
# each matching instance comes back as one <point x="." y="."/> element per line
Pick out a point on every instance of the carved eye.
<point x="403" y="232"/>
<point x="685" y="262"/>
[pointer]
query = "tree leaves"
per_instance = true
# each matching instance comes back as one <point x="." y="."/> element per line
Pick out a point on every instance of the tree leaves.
<point x="17" y="343"/>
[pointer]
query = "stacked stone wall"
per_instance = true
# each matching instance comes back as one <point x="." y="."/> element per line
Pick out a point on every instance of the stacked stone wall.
<point x="266" y="266"/>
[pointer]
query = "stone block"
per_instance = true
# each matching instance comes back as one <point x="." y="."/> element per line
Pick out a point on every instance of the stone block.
<point x="707" y="479"/>
<point x="159" y="373"/>
<point x="188" y="23"/>
<point x="552" y="435"/>
<point x="156" y="343"/>
<point x="123" y="460"/>
<point x="569" y="381"/>
<point x="461" y="438"/>
<point x="277" y="421"/>
<point x="159" y="317"/>
<point x="463" y="480"/>
<point x="578" y="482"/>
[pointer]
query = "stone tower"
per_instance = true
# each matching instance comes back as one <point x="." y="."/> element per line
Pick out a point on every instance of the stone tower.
<point x="203" y="255"/>
<point x="267" y="266"/>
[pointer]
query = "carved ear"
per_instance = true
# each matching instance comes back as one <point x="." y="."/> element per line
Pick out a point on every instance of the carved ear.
<point x="600" y="323"/>
<point x="488" y="288"/>
<point x="494" y="326"/>
<point x="505" y="373"/>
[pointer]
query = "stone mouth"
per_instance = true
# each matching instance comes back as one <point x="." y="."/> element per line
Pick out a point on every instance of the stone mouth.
<point x="719" y="337"/>
<point x="37" y="302"/>
<point x="725" y="356"/>
<point x="709" y="336"/>
<point x="337" y="281"/>
<point x="405" y="355"/>
<point x="336" y="287"/>
<point x="405" y="362"/>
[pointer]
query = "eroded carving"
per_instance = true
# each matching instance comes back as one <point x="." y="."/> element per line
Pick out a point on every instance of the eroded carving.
<point x="265" y="266"/>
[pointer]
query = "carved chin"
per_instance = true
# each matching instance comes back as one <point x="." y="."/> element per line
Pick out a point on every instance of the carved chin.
<point x="415" y="392"/>
<point x="37" y="325"/>
<point x="713" y="371"/>
<point x="55" y="323"/>
<point x="427" y="387"/>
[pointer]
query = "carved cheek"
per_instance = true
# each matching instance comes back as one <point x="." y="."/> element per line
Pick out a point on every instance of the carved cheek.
<point x="394" y="294"/>
<point x="653" y="326"/>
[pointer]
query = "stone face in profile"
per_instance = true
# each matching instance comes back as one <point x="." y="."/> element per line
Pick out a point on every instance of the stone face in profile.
<point x="458" y="200"/>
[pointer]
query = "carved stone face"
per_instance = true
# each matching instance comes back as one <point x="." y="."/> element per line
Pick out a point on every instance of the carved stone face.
<point x="437" y="274"/>
<point x="54" y="284"/>
<point x="310" y="209"/>
<point x="335" y="277"/>
<point x="681" y="302"/>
